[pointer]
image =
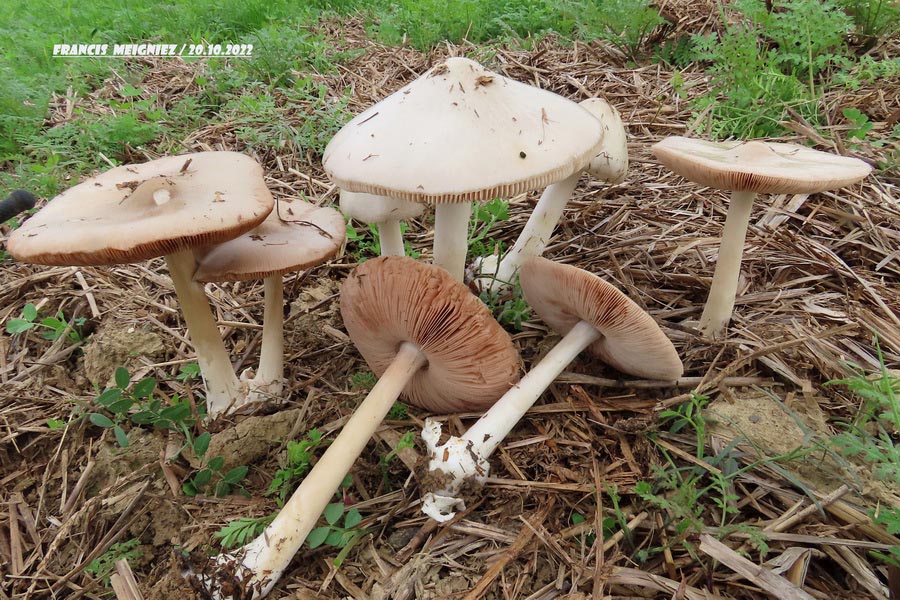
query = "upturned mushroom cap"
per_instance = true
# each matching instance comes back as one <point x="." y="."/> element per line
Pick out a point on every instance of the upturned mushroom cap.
<point x="298" y="236"/>
<point x="631" y="341"/>
<point x="611" y="164"/>
<point x="461" y="133"/>
<point x="762" y="167"/>
<point x="370" y="208"/>
<point x="137" y="212"/>
<point x="393" y="299"/>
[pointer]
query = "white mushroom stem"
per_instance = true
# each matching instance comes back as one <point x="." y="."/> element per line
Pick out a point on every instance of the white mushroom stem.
<point x="264" y="559"/>
<point x="451" y="235"/>
<point x="534" y="237"/>
<point x="390" y="238"/>
<point x="222" y="386"/>
<point x="720" y="303"/>
<point x="466" y="457"/>
<point x="271" y="355"/>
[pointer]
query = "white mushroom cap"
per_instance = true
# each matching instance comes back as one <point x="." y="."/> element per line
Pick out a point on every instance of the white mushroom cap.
<point x="762" y="167"/>
<point x="137" y="212"/>
<point x="611" y="164"/>
<point x="370" y="208"/>
<point x="461" y="133"/>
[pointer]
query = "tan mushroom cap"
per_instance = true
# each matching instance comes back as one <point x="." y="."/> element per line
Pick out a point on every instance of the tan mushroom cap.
<point x="461" y="133"/>
<point x="762" y="167"/>
<point x="631" y="340"/>
<point x="298" y="236"/>
<point x="370" y="208"/>
<point x="393" y="299"/>
<point x="137" y="212"/>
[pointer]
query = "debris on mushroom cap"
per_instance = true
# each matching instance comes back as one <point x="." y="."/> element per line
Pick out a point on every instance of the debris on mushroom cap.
<point x="297" y="236"/>
<point x="762" y="167"/>
<point x="611" y="164"/>
<point x="137" y="212"/>
<point x="392" y="299"/>
<point x="461" y="133"/>
<point x="632" y="342"/>
<point x="370" y="208"/>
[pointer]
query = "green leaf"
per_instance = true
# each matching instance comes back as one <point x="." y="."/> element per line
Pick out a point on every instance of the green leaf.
<point x="121" y="407"/>
<point x="120" y="436"/>
<point x="202" y="478"/>
<point x="216" y="463"/>
<point x="109" y="396"/>
<point x="144" y="387"/>
<point x="100" y="420"/>
<point x="201" y="444"/>
<point x="317" y="536"/>
<point x="236" y="474"/>
<point x="222" y="489"/>
<point x="145" y="417"/>
<point x="189" y="489"/>
<point x="30" y="313"/>
<point x="335" y="536"/>
<point x="333" y="512"/>
<point x="53" y="323"/>
<point x="123" y="378"/>
<point x="54" y="424"/>
<point x="14" y="326"/>
<point x="352" y="519"/>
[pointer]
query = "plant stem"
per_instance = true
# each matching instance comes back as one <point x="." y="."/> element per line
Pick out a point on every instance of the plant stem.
<point x="271" y="355"/>
<point x="451" y="225"/>
<point x="720" y="302"/>
<point x="390" y="238"/>
<point x="269" y="554"/>
<point x="222" y="386"/>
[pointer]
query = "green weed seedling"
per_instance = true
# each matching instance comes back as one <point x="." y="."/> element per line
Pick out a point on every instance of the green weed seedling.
<point x="334" y="534"/>
<point x="484" y="217"/>
<point x="369" y="247"/>
<point x="241" y="531"/>
<point x="889" y="518"/>
<point x="510" y="312"/>
<point x="54" y="327"/>
<point x="210" y="474"/>
<point x="103" y="566"/>
<point x="398" y="412"/>
<point x="188" y="372"/>
<point x="299" y="461"/>
<point x="363" y="380"/>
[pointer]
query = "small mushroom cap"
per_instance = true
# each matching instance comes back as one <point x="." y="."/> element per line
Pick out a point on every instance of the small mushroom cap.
<point x="298" y="236"/>
<point x="631" y="340"/>
<point x="137" y="212"/>
<point x="611" y="164"/>
<point x="393" y="299"/>
<point x="762" y="167"/>
<point x="370" y="208"/>
<point x="461" y="133"/>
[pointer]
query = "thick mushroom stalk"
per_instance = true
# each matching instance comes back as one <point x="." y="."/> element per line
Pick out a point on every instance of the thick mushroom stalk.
<point x="609" y="165"/>
<point x="451" y="230"/>
<point x="268" y="382"/>
<point x="591" y="313"/>
<point x="260" y="564"/>
<point x="385" y="213"/>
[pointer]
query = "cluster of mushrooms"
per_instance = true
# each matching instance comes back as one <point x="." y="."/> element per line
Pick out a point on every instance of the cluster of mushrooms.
<point x="456" y="135"/>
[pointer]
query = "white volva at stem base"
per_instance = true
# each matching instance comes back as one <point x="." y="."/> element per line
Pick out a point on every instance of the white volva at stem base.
<point x="720" y="303"/>
<point x="390" y="238"/>
<point x="268" y="383"/>
<point x="264" y="559"/>
<point x="467" y="456"/>
<point x="222" y="386"/>
<point x="533" y="239"/>
<point x="451" y="235"/>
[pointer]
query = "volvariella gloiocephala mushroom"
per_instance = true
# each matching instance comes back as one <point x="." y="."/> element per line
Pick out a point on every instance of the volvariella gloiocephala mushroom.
<point x="460" y="134"/>
<point x="609" y="165"/>
<point x="747" y="169"/>
<point x="383" y="212"/>
<point x="590" y="313"/>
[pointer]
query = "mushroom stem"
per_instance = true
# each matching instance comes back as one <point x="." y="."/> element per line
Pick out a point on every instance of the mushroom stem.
<point x="720" y="302"/>
<point x="465" y="457"/>
<point x="390" y="238"/>
<point x="535" y="235"/>
<point x="222" y="386"/>
<point x="451" y="229"/>
<point x="265" y="558"/>
<point x="271" y="355"/>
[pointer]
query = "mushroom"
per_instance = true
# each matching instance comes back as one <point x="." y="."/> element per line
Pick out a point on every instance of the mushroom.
<point x="163" y="207"/>
<point x="298" y="236"/>
<point x="609" y="165"/>
<point x="458" y="134"/>
<point x="385" y="213"/>
<point x="427" y="337"/>
<point x="590" y="313"/>
<point x="746" y="169"/>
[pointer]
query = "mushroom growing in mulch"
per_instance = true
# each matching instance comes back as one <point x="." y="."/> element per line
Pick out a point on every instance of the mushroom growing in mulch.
<point x="383" y="212"/>
<point x="747" y="169"/>
<point x="298" y="236"/>
<point x="609" y="165"/>
<point x="590" y="313"/>
<point x="166" y="207"/>
<point x="460" y="134"/>
<point x="429" y="339"/>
